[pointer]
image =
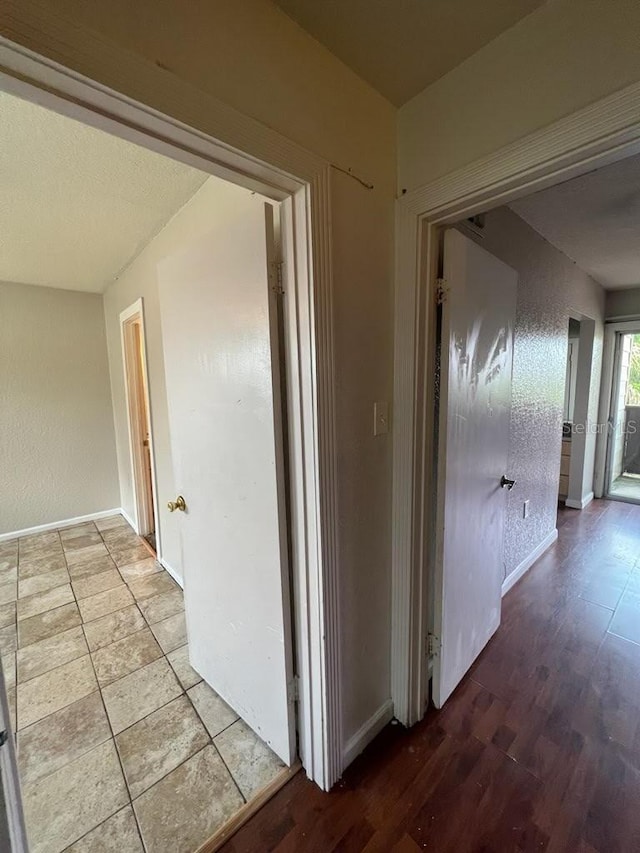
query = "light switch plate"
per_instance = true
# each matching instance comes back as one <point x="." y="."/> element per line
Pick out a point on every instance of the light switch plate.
<point x="380" y="418"/>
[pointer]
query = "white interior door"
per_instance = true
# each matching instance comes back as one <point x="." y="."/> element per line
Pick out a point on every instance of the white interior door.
<point x="220" y="340"/>
<point x="475" y="406"/>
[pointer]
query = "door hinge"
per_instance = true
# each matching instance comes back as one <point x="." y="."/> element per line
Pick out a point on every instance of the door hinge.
<point x="294" y="689"/>
<point x="442" y="290"/>
<point x="432" y="645"/>
<point x="278" y="285"/>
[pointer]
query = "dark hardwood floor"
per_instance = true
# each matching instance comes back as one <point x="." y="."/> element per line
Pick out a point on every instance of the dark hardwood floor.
<point x="537" y="750"/>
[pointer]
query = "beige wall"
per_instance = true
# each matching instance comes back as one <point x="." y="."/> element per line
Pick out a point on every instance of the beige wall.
<point x="622" y="304"/>
<point x="56" y="423"/>
<point x="550" y="289"/>
<point x="563" y="56"/>
<point x="254" y="58"/>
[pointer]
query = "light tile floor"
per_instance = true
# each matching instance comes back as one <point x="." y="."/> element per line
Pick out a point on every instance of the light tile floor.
<point x="121" y="745"/>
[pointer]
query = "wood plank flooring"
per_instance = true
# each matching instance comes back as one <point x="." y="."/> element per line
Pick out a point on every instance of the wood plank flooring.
<point x="537" y="750"/>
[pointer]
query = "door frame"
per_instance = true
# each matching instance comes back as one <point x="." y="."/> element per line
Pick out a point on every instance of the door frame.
<point x="578" y="497"/>
<point x="613" y="333"/>
<point x="243" y="151"/>
<point x="594" y="136"/>
<point x="137" y="401"/>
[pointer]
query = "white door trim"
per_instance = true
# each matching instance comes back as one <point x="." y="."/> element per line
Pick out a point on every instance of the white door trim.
<point x="594" y="136"/>
<point x="607" y="383"/>
<point x="242" y="150"/>
<point x="143" y="514"/>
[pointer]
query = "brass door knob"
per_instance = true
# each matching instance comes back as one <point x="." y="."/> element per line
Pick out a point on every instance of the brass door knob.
<point x="179" y="503"/>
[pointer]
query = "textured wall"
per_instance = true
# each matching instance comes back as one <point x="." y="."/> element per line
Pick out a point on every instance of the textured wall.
<point x="550" y="288"/>
<point x="533" y="74"/>
<point x="57" y="445"/>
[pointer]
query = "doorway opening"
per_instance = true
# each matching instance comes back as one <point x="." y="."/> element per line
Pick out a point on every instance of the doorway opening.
<point x="115" y="582"/>
<point x="515" y="396"/>
<point x="579" y="433"/>
<point x="134" y="359"/>
<point x="623" y="450"/>
<point x="568" y="413"/>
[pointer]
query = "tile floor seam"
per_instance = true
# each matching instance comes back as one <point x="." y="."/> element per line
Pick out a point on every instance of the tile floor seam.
<point x="115" y="680"/>
<point x="117" y="752"/>
<point x="53" y="668"/>
<point x="86" y="834"/>
<point x="228" y="769"/>
<point x="179" y="764"/>
<point x="142" y="793"/>
<point x="146" y="716"/>
<point x="212" y="738"/>
<point x="22" y="732"/>
<point x="200" y="717"/>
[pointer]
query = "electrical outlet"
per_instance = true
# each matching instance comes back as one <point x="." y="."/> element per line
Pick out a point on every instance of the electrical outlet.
<point x="525" y="509"/>
<point x="380" y="418"/>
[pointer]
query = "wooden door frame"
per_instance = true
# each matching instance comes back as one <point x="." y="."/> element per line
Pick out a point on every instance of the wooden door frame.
<point x="243" y="151"/>
<point x="137" y="402"/>
<point x="594" y="136"/>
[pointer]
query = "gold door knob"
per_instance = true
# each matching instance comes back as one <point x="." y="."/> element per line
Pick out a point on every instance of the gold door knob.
<point x="179" y="503"/>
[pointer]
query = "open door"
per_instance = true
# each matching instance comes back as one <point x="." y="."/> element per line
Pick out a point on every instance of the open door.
<point x="138" y="420"/>
<point x="13" y="837"/>
<point x="220" y="348"/>
<point x="478" y="317"/>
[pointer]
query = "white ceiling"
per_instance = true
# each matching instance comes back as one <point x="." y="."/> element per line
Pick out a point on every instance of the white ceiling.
<point x="76" y="204"/>
<point x="595" y="220"/>
<point x="400" y="47"/>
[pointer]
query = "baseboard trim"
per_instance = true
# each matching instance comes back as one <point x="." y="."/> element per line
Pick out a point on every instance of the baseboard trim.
<point x="526" y="564"/>
<point x="65" y="522"/>
<point x="586" y="500"/>
<point x="366" y="733"/>
<point x="171" y="571"/>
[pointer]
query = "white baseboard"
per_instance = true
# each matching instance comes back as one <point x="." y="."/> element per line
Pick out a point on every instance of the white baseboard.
<point x="526" y="564"/>
<point x="65" y="522"/>
<point x="586" y="500"/>
<point x="171" y="571"/>
<point x="367" y="732"/>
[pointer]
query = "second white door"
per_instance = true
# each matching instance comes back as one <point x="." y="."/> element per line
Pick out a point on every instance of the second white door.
<point x="219" y="336"/>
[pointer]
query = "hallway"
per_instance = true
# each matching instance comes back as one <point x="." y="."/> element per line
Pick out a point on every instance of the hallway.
<point x="538" y="749"/>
